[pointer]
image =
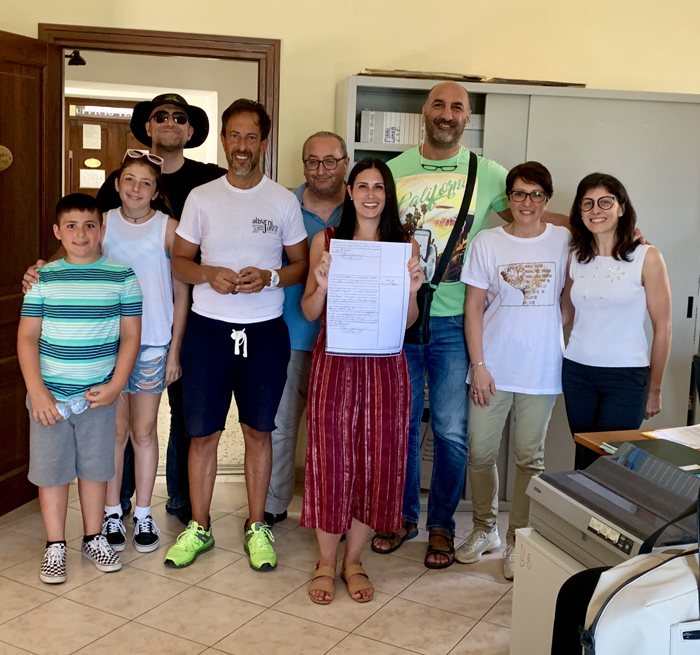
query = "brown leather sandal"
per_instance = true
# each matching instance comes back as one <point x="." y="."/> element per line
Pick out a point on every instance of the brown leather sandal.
<point x="447" y="548"/>
<point x="356" y="569"/>
<point x="317" y="584"/>
<point x="395" y="540"/>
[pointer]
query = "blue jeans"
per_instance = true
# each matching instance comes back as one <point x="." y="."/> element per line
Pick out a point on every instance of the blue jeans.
<point x="446" y="363"/>
<point x="178" y="451"/>
<point x="601" y="399"/>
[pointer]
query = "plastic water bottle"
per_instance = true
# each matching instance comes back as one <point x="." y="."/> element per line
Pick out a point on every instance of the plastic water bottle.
<point x="75" y="405"/>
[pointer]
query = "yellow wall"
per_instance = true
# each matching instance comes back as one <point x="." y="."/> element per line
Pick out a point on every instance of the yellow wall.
<point x="642" y="45"/>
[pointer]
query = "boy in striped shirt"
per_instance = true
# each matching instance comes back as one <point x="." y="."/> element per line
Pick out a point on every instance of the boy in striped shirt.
<point x="78" y="339"/>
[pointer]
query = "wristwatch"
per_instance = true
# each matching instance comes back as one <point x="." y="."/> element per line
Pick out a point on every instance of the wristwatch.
<point x="274" y="279"/>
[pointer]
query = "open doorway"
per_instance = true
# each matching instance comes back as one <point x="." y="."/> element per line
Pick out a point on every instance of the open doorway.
<point x="99" y="97"/>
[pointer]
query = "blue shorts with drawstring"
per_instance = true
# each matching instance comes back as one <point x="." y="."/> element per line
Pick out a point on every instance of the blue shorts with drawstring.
<point x="221" y="359"/>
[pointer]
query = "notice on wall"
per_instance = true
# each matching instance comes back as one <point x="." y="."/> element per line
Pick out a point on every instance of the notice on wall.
<point x="92" y="137"/>
<point x="367" y="304"/>
<point x="91" y="178"/>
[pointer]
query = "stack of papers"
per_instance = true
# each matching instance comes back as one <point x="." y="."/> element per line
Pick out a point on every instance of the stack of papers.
<point x="688" y="436"/>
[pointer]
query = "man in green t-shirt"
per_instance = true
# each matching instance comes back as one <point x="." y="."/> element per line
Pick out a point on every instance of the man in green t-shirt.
<point x="430" y="184"/>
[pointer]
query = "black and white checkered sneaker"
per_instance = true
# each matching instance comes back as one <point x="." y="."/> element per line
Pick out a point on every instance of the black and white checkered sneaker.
<point x="102" y="554"/>
<point x="146" y="535"/>
<point x="113" y="528"/>
<point x="53" y="568"/>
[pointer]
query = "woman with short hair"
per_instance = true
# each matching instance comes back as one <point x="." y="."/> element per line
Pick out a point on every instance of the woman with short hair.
<point x="514" y="275"/>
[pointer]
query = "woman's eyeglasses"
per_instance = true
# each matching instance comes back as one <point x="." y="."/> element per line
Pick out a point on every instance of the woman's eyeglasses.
<point x="329" y="163"/>
<point x="138" y="154"/>
<point x="180" y="117"/>
<point x="604" y="202"/>
<point x="535" y="196"/>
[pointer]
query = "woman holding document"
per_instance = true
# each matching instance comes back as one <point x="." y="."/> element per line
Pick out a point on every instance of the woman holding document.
<point x="358" y="409"/>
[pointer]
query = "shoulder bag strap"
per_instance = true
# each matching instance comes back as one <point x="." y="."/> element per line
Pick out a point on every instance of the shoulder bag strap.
<point x="459" y="223"/>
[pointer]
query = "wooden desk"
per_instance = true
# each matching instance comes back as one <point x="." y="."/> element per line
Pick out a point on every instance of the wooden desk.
<point x="593" y="440"/>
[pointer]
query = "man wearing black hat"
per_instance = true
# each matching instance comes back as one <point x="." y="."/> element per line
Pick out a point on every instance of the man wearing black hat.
<point x="167" y="125"/>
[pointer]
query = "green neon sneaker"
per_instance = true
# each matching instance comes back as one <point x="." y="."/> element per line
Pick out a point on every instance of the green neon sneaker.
<point x="258" y="546"/>
<point x="194" y="541"/>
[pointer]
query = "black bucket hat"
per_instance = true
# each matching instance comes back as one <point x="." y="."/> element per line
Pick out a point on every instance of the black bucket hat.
<point x="197" y="117"/>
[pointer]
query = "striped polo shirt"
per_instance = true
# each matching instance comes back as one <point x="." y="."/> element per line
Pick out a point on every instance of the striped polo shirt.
<point x="80" y="307"/>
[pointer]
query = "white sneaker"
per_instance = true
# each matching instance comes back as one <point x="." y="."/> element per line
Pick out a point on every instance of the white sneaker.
<point x="509" y="563"/>
<point x="478" y="543"/>
<point x="101" y="553"/>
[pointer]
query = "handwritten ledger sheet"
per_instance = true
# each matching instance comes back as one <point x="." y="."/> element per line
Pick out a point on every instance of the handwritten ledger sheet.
<point x="367" y="301"/>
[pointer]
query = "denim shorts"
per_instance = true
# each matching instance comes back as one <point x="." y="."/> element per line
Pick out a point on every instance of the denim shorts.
<point x="148" y="374"/>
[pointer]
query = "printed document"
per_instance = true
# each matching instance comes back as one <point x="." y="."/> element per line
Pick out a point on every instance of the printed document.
<point x="367" y="301"/>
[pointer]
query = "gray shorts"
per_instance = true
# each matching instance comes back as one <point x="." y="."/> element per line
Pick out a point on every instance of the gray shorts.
<point x="81" y="446"/>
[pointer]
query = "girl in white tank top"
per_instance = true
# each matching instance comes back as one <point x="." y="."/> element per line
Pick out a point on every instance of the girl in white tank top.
<point x="141" y="235"/>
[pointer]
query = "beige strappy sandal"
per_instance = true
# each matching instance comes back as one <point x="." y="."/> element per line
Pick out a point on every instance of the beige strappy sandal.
<point x="356" y="569"/>
<point x="317" y="584"/>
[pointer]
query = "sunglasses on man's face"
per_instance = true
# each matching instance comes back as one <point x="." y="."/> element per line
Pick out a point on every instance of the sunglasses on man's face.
<point x="180" y="117"/>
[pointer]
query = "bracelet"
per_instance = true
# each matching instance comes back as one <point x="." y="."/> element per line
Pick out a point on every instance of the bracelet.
<point x="475" y="364"/>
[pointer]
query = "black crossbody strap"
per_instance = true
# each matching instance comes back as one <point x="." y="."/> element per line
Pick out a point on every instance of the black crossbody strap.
<point x="459" y="224"/>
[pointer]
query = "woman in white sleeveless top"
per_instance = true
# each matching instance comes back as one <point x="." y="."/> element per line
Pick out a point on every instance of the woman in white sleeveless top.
<point x="609" y="379"/>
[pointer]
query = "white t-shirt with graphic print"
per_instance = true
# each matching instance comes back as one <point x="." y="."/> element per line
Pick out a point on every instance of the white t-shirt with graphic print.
<point x="523" y="339"/>
<point x="236" y="228"/>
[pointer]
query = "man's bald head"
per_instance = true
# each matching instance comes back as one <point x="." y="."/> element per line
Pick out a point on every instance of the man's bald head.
<point x="446" y="113"/>
<point x="448" y="89"/>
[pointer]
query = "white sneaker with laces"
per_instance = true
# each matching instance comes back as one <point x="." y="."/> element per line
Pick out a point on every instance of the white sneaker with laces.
<point x="509" y="563"/>
<point x="101" y="553"/>
<point x="478" y="543"/>
<point x="53" y="568"/>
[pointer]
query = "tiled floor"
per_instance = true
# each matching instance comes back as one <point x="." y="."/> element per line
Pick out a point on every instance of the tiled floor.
<point x="219" y="605"/>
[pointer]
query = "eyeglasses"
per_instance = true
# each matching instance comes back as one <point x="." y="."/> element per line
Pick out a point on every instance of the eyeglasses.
<point x="180" y="117"/>
<point x="535" y="196"/>
<point x="138" y="154"/>
<point x="435" y="167"/>
<point x="604" y="202"/>
<point x="329" y="163"/>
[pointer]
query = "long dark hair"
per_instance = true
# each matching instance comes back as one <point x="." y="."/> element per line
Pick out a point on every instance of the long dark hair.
<point x="161" y="202"/>
<point x="390" y="229"/>
<point x="582" y="240"/>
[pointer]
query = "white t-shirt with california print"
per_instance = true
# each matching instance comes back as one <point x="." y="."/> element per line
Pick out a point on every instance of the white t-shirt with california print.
<point x="523" y="339"/>
<point x="236" y="228"/>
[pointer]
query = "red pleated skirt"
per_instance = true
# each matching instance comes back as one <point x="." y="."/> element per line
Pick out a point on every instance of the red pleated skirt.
<point x="357" y="418"/>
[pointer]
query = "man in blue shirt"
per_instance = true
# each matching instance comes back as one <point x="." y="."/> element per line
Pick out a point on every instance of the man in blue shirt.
<point x="325" y="159"/>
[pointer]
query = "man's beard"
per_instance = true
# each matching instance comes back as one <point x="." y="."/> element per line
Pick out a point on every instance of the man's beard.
<point x="439" y="138"/>
<point x="171" y="143"/>
<point x="243" y="168"/>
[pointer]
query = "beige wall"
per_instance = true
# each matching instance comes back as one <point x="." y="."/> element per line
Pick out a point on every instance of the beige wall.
<point x="640" y="45"/>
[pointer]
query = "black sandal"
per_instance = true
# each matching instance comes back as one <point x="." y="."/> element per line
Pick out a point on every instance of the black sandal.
<point x="395" y="540"/>
<point x="448" y="549"/>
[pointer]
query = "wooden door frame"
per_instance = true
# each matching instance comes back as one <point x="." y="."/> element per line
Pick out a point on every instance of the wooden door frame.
<point x="266" y="52"/>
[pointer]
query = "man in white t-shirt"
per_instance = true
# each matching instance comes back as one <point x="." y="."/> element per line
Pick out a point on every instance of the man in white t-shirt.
<point x="236" y="339"/>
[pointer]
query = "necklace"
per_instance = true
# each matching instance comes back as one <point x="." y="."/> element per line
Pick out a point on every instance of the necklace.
<point x="137" y="218"/>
